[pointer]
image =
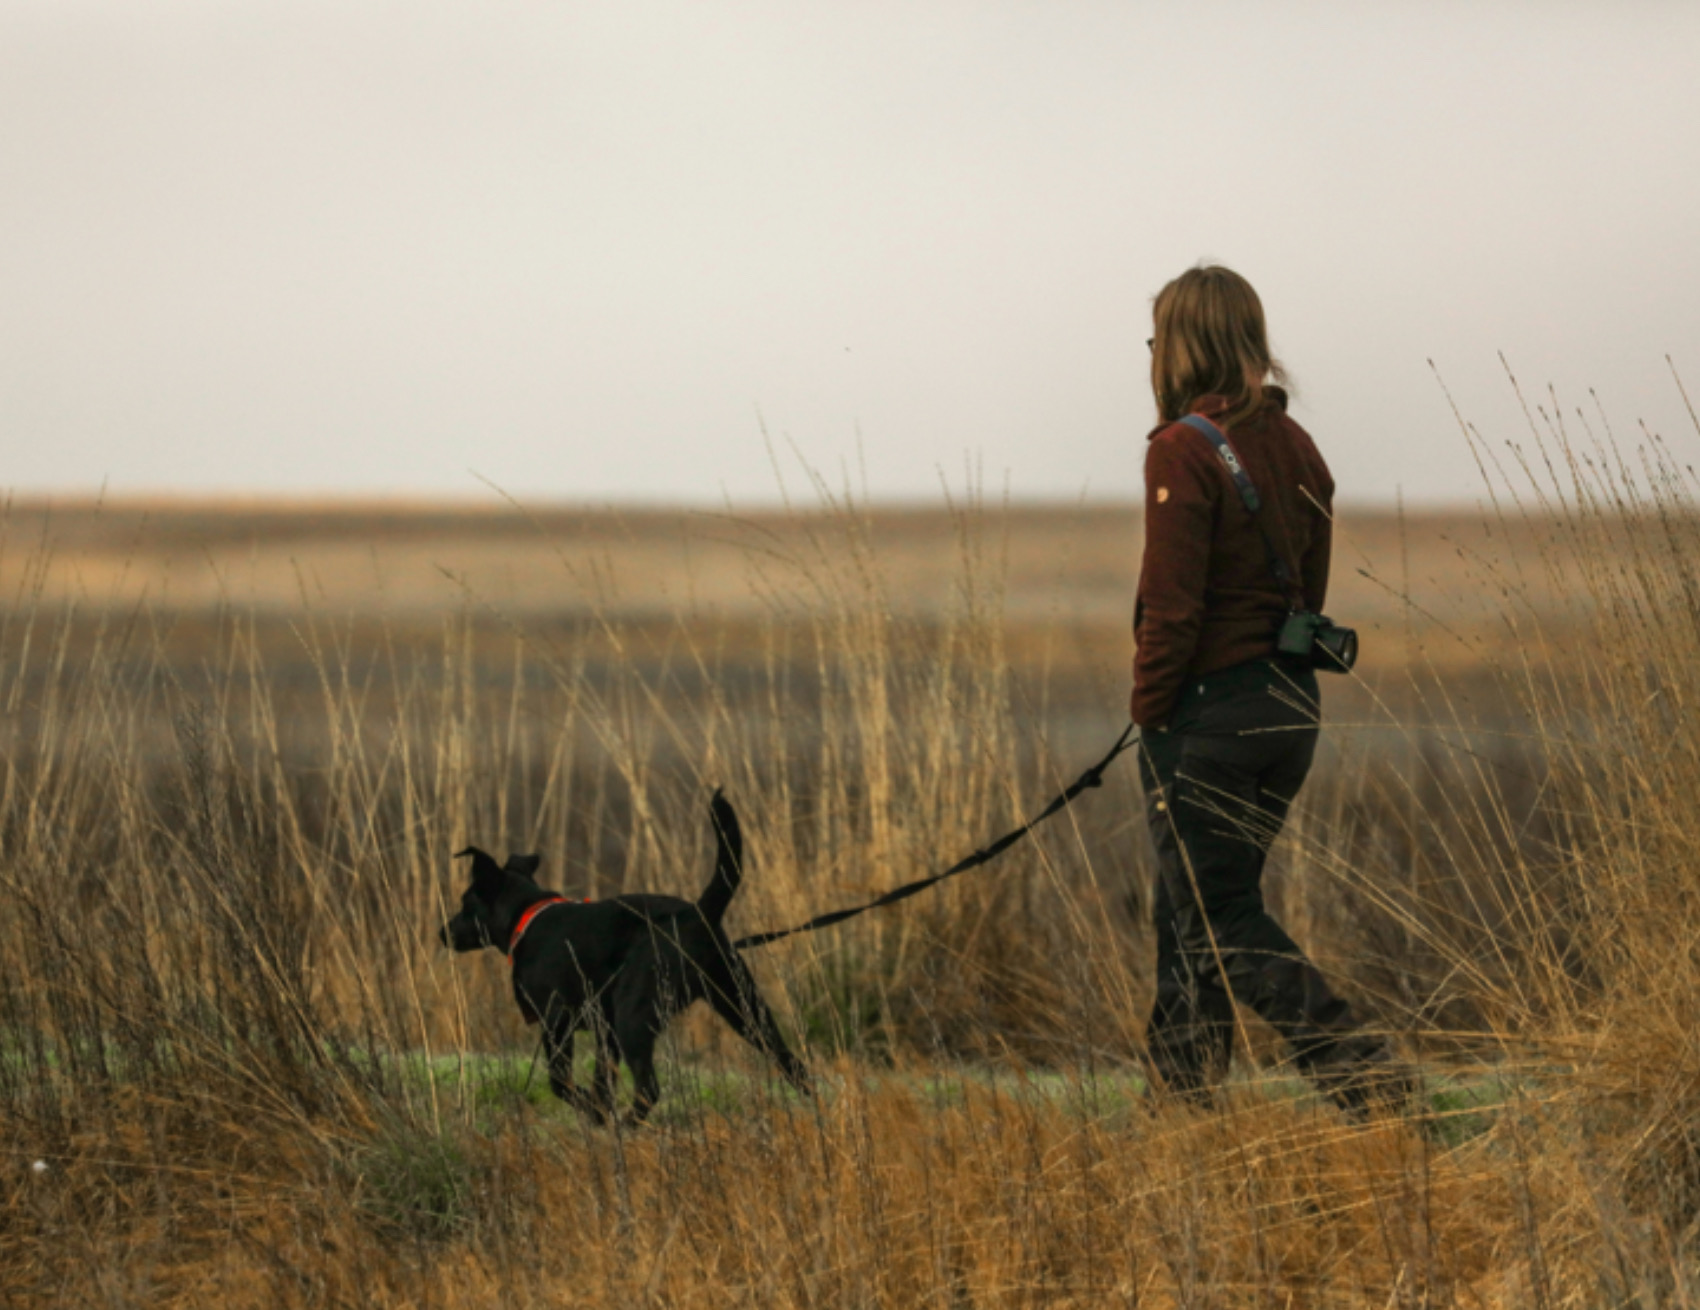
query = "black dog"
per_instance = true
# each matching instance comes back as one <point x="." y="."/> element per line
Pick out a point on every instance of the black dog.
<point x="621" y="968"/>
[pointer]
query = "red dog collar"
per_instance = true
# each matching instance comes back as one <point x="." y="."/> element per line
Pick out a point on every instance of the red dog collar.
<point x="531" y="912"/>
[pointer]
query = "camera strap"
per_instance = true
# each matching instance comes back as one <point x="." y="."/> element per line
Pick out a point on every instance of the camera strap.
<point x="1253" y="503"/>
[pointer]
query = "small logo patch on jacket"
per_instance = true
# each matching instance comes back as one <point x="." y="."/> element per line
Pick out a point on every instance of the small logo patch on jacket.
<point x="1162" y="494"/>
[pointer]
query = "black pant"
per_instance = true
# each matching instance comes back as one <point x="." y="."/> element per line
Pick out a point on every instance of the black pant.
<point x="1218" y="785"/>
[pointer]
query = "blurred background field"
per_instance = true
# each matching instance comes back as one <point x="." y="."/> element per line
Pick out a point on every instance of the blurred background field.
<point x="1066" y="573"/>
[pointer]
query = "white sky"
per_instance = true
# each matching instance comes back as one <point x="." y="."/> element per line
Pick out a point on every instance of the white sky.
<point x="585" y="250"/>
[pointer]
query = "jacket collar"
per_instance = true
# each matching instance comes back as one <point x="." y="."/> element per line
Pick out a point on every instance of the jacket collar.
<point x="1213" y="407"/>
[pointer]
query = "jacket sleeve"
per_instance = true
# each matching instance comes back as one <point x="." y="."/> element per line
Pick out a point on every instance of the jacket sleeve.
<point x="1313" y="568"/>
<point x="1181" y="503"/>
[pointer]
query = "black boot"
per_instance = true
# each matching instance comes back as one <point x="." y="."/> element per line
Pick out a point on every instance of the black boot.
<point x="1360" y="1074"/>
<point x="1352" y="1066"/>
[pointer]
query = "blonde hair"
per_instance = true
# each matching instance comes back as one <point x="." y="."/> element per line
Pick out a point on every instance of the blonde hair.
<point x="1210" y="340"/>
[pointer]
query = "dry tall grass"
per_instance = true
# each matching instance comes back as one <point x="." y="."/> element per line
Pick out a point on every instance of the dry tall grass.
<point x="249" y="1076"/>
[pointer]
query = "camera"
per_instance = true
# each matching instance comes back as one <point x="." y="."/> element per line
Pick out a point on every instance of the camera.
<point x="1319" y="641"/>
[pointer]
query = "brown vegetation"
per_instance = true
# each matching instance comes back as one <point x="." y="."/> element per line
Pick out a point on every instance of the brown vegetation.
<point x="239" y="745"/>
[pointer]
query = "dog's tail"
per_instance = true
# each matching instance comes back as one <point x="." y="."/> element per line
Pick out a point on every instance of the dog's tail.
<point x="728" y="860"/>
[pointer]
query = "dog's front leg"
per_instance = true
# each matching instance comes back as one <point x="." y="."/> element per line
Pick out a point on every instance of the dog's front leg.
<point x="560" y="1049"/>
<point x="605" y="1081"/>
<point x="637" y="1044"/>
<point x="607" y="1078"/>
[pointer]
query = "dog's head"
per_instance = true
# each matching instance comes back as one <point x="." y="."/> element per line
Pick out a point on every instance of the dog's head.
<point x="487" y="906"/>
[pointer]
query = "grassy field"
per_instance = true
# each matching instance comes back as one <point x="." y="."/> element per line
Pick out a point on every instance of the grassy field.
<point x="240" y="742"/>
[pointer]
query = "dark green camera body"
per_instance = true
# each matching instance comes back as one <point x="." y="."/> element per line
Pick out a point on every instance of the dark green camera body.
<point x="1319" y="641"/>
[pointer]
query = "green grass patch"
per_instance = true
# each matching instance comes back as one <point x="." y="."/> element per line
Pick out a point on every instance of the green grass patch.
<point x="413" y="1181"/>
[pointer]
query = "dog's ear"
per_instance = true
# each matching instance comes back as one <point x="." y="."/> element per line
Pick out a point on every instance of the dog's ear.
<point x="524" y="865"/>
<point x="485" y="871"/>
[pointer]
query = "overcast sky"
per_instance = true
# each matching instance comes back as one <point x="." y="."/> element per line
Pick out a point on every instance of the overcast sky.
<point x="587" y="251"/>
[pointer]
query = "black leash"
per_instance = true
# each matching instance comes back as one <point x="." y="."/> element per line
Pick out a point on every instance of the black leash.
<point x="1093" y="777"/>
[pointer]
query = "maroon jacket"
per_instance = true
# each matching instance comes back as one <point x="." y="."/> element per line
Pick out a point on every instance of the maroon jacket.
<point x="1207" y="597"/>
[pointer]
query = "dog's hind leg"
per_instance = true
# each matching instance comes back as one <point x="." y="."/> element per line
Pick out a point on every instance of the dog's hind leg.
<point x="732" y="992"/>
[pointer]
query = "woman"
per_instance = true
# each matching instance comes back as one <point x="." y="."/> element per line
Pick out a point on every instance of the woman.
<point x="1228" y="725"/>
